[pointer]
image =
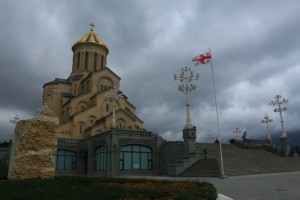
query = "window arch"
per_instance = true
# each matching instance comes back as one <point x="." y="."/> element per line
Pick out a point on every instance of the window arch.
<point x="100" y="162"/>
<point x="86" y="61"/>
<point x="81" y="106"/>
<point x="65" y="160"/>
<point x="78" y="60"/>
<point x="105" y="82"/>
<point x="121" y="124"/>
<point x="92" y="119"/>
<point x="95" y="61"/>
<point x="135" y="157"/>
<point x="101" y="62"/>
<point x="107" y="107"/>
<point x="81" y="127"/>
<point x="68" y="111"/>
<point x="88" y="85"/>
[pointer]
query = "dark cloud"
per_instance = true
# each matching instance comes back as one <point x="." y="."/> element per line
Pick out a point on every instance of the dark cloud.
<point x="255" y="48"/>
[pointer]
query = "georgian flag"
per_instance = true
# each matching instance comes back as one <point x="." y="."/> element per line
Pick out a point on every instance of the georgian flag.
<point x="202" y="59"/>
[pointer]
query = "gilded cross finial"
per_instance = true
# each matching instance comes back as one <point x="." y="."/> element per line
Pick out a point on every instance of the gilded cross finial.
<point x="92" y="26"/>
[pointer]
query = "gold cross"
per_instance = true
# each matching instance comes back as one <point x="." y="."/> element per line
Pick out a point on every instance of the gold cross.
<point x="92" y="26"/>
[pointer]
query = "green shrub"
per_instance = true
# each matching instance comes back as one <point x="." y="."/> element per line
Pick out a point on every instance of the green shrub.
<point x="3" y="171"/>
<point x="105" y="188"/>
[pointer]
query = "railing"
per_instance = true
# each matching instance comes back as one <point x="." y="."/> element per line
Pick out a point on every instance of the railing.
<point x="3" y="149"/>
<point x="134" y="133"/>
<point x="251" y="143"/>
<point x="67" y="141"/>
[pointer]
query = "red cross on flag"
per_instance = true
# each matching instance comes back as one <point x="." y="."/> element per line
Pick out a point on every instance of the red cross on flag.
<point x="202" y="59"/>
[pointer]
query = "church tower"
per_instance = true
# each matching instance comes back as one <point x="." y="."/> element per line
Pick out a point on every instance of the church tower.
<point x="79" y="101"/>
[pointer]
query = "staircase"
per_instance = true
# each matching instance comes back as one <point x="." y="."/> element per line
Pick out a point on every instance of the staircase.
<point x="203" y="168"/>
<point x="185" y="162"/>
<point x="238" y="161"/>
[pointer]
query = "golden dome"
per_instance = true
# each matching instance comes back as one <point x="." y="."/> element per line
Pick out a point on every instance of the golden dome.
<point x="91" y="37"/>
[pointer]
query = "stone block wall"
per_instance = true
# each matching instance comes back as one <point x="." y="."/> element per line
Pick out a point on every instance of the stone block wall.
<point x="34" y="148"/>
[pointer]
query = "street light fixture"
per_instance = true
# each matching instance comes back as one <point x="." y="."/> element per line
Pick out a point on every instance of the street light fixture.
<point x="15" y="120"/>
<point x="280" y="109"/>
<point x="267" y="120"/>
<point x="114" y="95"/>
<point x="237" y="131"/>
<point x="186" y="77"/>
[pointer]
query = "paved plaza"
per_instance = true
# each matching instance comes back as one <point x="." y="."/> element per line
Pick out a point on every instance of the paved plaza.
<point x="273" y="186"/>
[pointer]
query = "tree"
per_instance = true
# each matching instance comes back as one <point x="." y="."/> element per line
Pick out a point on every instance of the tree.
<point x="244" y="135"/>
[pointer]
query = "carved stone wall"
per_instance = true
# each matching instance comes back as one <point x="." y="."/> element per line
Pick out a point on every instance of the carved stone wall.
<point x="34" y="148"/>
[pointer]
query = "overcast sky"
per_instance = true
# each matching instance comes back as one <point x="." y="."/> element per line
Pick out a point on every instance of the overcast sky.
<point x="255" y="47"/>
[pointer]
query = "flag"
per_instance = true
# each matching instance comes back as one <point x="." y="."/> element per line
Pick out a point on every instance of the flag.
<point x="202" y="59"/>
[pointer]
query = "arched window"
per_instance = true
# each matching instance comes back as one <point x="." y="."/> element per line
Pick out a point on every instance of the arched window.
<point x="88" y="85"/>
<point x="101" y="61"/>
<point x="78" y="60"/>
<point x="86" y="60"/>
<point x="135" y="157"/>
<point x="81" y="128"/>
<point x="100" y="158"/>
<point x="107" y="107"/>
<point x="65" y="160"/>
<point x="95" y="61"/>
<point x="121" y="124"/>
<point x="82" y="88"/>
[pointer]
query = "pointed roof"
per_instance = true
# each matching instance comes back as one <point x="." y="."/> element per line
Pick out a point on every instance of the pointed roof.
<point x="91" y="37"/>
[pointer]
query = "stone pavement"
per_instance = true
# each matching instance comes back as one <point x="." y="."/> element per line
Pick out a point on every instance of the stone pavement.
<point x="275" y="186"/>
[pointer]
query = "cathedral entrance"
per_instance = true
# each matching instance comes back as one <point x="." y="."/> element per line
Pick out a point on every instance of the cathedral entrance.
<point x="84" y="161"/>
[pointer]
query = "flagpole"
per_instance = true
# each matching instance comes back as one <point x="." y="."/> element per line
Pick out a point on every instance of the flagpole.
<point x="216" y="105"/>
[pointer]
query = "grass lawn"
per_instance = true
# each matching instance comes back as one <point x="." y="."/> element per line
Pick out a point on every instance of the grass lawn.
<point x="83" y="188"/>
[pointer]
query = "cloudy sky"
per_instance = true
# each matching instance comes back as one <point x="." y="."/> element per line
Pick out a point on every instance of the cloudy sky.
<point x="255" y="47"/>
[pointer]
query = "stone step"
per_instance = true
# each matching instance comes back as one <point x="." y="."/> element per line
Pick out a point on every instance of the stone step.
<point x="238" y="161"/>
<point x="204" y="168"/>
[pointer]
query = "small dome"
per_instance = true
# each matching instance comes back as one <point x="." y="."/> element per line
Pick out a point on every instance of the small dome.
<point x="91" y="37"/>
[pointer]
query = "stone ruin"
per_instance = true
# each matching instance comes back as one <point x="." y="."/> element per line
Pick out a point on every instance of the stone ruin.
<point x="34" y="148"/>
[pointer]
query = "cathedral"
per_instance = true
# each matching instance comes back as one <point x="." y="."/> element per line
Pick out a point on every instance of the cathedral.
<point x="99" y="133"/>
<point x="79" y="101"/>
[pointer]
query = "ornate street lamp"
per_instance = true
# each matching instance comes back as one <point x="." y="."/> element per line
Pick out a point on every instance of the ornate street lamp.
<point x="267" y="120"/>
<point x="186" y="77"/>
<point x="15" y="120"/>
<point x="280" y="109"/>
<point x="114" y="95"/>
<point x="237" y="131"/>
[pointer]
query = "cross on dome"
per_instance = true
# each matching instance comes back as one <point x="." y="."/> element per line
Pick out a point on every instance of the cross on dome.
<point x="92" y="26"/>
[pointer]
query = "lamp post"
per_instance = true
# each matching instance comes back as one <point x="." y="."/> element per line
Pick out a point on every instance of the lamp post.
<point x="114" y="95"/>
<point x="237" y="131"/>
<point x="186" y="77"/>
<point x="15" y="120"/>
<point x="280" y="109"/>
<point x="267" y="120"/>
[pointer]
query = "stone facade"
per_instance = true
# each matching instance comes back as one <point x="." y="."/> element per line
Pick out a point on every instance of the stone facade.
<point x="34" y="148"/>
<point x="79" y="101"/>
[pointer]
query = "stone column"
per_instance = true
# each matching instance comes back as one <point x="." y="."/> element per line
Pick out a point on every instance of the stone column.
<point x="34" y="148"/>
<point x="113" y="153"/>
<point x="286" y="145"/>
<point x="189" y="136"/>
